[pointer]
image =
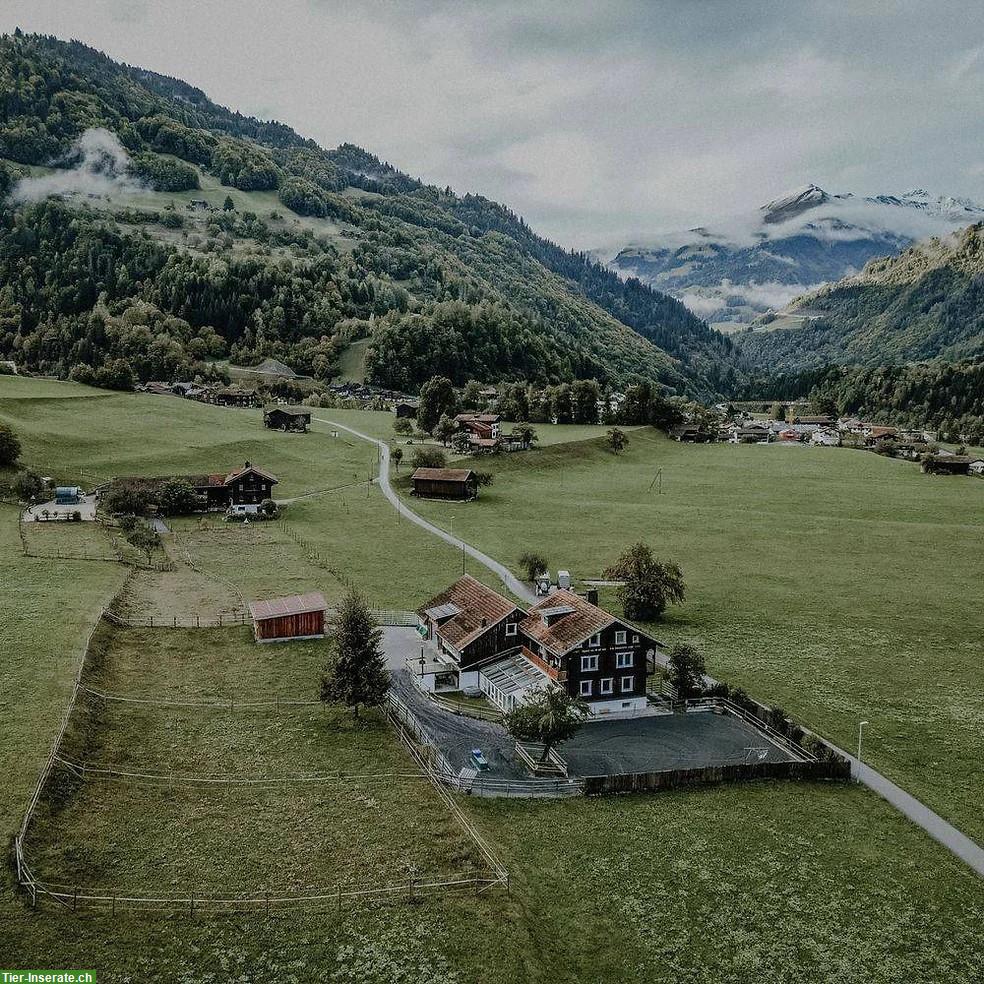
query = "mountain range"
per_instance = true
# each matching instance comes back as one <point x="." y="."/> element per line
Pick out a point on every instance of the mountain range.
<point x="147" y="231"/>
<point x="926" y="303"/>
<point x="735" y="269"/>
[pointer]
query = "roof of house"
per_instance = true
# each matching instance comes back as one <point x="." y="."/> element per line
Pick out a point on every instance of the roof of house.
<point x="245" y="470"/>
<point x="478" y="609"/>
<point x="443" y="474"/>
<point x="293" y="411"/>
<point x="574" y="620"/>
<point x="290" y="605"/>
<point x="479" y="418"/>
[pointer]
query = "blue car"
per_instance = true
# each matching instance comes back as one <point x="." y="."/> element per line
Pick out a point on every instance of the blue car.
<point x="481" y="762"/>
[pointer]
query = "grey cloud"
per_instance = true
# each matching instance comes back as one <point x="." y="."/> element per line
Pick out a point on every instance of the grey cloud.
<point x="598" y="121"/>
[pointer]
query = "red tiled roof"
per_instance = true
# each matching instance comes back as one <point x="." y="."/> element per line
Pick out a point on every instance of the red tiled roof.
<point x="566" y="631"/>
<point x="478" y="604"/>
<point x="291" y="605"/>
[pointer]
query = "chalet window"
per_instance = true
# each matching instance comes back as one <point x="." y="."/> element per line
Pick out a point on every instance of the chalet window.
<point x="594" y="641"/>
<point x="607" y="685"/>
<point x="585" y="688"/>
<point x="620" y="638"/>
<point x="635" y="639"/>
<point x="589" y="663"/>
<point x="510" y="628"/>
<point x="623" y="660"/>
<point x="628" y="683"/>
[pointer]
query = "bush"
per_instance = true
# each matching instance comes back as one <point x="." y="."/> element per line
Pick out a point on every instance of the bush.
<point x="28" y="486"/>
<point x="302" y="197"/>
<point x="429" y="458"/>
<point x="533" y="564"/>
<point x="122" y="500"/>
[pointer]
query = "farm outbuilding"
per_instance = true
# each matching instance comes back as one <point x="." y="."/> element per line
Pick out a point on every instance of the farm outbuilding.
<point x="287" y="418"/>
<point x="292" y="617"/>
<point x="445" y="483"/>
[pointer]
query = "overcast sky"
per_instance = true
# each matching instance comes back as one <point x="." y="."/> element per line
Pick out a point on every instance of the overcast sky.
<point x="598" y="121"/>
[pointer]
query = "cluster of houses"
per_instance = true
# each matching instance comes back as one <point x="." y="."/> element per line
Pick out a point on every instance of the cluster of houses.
<point x="214" y="393"/>
<point x="482" y="640"/>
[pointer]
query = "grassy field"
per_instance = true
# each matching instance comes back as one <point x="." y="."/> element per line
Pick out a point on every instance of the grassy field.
<point x="779" y="884"/>
<point x="838" y="584"/>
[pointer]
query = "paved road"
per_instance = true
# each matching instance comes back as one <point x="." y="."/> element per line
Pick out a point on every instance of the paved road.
<point x="513" y="583"/>
<point x="920" y="814"/>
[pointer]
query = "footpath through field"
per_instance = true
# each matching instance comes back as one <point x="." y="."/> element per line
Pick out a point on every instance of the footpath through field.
<point x="939" y="829"/>
<point x="507" y="577"/>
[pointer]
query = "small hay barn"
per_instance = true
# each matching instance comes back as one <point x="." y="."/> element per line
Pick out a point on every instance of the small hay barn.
<point x="293" y="617"/>
<point x="445" y="483"/>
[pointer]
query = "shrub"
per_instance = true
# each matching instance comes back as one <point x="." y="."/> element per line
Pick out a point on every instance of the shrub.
<point x="429" y="458"/>
<point x="10" y="445"/>
<point x="533" y="565"/>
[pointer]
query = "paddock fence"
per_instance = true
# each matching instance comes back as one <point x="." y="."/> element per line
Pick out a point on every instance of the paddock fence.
<point x="223" y="620"/>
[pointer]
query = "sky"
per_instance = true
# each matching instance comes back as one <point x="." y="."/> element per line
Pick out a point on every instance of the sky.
<point x="600" y="122"/>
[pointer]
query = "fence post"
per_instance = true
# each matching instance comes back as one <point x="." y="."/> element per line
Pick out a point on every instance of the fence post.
<point x="75" y="899"/>
<point x="191" y="906"/>
<point x="198" y="621"/>
<point x="411" y="888"/>
<point x="220" y="620"/>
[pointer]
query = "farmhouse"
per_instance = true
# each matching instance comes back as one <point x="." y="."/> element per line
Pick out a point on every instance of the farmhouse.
<point x="484" y="640"/>
<point x="287" y="418"/>
<point x="951" y="464"/>
<point x="826" y="437"/>
<point x="293" y="617"/>
<point x="483" y="429"/>
<point x="405" y="409"/>
<point x="749" y="434"/>
<point x="232" y="396"/>
<point x="445" y="483"/>
<point x="691" y="434"/>
<point x="239" y="491"/>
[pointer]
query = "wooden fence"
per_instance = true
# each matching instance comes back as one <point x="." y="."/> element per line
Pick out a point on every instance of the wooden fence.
<point x="651" y="782"/>
<point x="231" y="619"/>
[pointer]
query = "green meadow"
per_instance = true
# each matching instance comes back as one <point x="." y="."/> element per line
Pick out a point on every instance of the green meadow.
<point x="838" y="584"/>
<point x="835" y="583"/>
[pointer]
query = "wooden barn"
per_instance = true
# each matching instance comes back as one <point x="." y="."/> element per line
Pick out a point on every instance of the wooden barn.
<point x="445" y="483"/>
<point x="293" y="617"/>
<point x="287" y="418"/>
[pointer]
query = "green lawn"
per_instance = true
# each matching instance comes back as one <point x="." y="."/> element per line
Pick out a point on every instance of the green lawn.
<point x="839" y="584"/>
<point x="778" y="884"/>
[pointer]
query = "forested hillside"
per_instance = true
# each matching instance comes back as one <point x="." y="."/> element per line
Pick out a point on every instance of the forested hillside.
<point x="926" y="303"/>
<point x="319" y="248"/>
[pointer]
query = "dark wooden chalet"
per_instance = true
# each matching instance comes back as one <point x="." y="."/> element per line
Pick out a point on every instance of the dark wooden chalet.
<point x="287" y="418"/>
<point x="950" y="464"/>
<point x="405" y="409"/>
<point x="233" y="396"/>
<point x="470" y="622"/>
<point x="445" y="483"/>
<point x="293" y="617"/>
<point x="594" y="655"/>
<point x="241" y="490"/>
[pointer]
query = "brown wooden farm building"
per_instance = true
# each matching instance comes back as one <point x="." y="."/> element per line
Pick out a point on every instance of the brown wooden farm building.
<point x="445" y="483"/>
<point x="287" y="418"/>
<point x="293" y="617"/>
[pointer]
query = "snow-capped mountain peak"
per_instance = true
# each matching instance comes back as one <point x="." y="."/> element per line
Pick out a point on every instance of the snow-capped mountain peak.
<point x="807" y="197"/>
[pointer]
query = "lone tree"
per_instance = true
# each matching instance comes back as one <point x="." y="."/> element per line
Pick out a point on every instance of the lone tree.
<point x="396" y="456"/>
<point x="533" y="565"/>
<point x="28" y="485"/>
<point x="356" y="673"/>
<point x="228" y="205"/>
<point x="437" y="397"/>
<point x="549" y="717"/>
<point x="445" y="429"/>
<point x="616" y="439"/>
<point x="526" y="434"/>
<point x="686" y="671"/>
<point x="10" y="445"/>
<point x="650" y="585"/>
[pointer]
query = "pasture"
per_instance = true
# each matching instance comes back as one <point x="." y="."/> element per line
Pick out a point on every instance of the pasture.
<point x="778" y="883"/>
<point x="838" y="584"/>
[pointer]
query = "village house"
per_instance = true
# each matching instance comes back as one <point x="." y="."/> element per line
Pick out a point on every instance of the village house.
<point x="952" y="464"/>
<point x="691" y="434"/>
<point x="483" y="429"/>
<point x="750" y="433"/>
<point x="405" y="409"/>
<point x="483" y="640"/>
<point x="444" y="483"/>
<point x="827" y="437"/>
<point x="232" y="396"/>
<point x="287" y="418"/>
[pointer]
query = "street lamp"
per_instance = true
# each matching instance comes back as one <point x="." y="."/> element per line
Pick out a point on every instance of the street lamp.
<point x="860" y="726"/>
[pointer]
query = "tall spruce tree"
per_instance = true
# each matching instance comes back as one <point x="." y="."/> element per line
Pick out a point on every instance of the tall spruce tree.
<point x="356" y="675"/>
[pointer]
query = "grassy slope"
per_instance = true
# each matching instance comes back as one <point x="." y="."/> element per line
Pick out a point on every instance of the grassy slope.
<point x="819" y="883"/>
<point x="838" y="584"/>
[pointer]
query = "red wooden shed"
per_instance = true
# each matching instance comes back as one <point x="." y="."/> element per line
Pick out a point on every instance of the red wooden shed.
<point x="293" y="617"/>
